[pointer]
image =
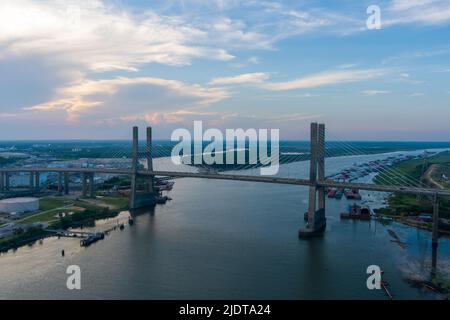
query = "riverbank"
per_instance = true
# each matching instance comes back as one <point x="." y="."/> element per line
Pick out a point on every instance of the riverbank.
<point x="414" y="171"/>
<point x="62" y="213"/>
<point x="22" y="238"/>
<point x="411" y="222"/>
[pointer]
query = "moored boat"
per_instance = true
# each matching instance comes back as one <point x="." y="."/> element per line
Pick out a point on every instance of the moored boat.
<point x="339" y="194"/>
<point x="353" y="194"/>
<point x="332" y="193"/>
<point x="357" y="212"/>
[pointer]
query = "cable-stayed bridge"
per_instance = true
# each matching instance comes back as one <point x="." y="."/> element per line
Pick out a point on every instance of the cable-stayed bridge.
<point x="155" y="160"/>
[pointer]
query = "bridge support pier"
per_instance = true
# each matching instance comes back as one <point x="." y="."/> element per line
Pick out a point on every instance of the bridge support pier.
<point x="91" y="185"/>
<point x="147" y="197"/>
<point x="66" y="183"/>
<point x="84" y="184"/>
<point x="37" y="181"/>
<point x="316" y="216"/>
<point x="7" y="182"/>
<point x="435" y="235"/>
<point x="31" y="180"/>
<point x="2" y="181"/>
<point x="60" y="183"/>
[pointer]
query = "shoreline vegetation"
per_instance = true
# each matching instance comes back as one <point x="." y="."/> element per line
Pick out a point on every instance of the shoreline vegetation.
<point x="63" y="213"/>
<point x="405" y="208"/>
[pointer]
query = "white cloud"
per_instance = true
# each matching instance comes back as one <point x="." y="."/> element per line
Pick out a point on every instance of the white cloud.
<point x="253" y="60"/>
<point x="100" y="37"/>
<point x="347" y="66"/>
<point x="284" y="21"/>
<point x="257" y="77"/>
<point x="373" y="92"/>
<point x="416" y="94"/>
<point x="295" y="117"/>
<point x="426" y="12"/>
<point x="7" y="115"/>
<point x="122" y="97"/>
<point x="235" y="34"/>
<point x="237" y="119"/>
<point x="323" y="79"/>
<point x="179" y="116"/>
<point x="400" y="5"/>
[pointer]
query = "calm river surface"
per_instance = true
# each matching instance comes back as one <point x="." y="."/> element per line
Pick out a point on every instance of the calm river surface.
<point x="229" y="240"/>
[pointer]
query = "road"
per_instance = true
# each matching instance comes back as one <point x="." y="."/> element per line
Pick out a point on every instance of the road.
<point x="429" y="176"/>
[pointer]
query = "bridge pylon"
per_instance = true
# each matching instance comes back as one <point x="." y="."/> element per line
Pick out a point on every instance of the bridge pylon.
<point x="145" y="198"/>
<point x="316" y="221"/>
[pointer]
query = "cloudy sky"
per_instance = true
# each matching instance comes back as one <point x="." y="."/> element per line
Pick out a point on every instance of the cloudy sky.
<point x="91" y="69"/>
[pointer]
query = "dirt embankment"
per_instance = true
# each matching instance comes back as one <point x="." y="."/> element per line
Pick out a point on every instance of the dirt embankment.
<point x="428" y="176"/>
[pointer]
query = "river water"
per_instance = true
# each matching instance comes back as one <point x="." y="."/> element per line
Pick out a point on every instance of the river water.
<point x="230" y="240"/>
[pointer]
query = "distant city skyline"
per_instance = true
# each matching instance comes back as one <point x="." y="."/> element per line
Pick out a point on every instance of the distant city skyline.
<point x="92" y="69"/>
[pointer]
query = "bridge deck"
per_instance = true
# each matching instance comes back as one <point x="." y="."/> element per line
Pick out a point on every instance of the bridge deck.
<point x="235" y="177"/>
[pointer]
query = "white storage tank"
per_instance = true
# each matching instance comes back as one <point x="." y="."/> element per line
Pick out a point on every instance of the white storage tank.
<point x="19" y="205"/>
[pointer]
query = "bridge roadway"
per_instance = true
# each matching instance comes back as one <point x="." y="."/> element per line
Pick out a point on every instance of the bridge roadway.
<point x="235" y="177"/>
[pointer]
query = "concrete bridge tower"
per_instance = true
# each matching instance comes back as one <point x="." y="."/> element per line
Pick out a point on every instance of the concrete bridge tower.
<point x="316" y="209"/>
<point x="143" y="198"/>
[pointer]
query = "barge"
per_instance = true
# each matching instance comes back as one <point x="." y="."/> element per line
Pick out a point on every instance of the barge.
<point x="356" y="212"/>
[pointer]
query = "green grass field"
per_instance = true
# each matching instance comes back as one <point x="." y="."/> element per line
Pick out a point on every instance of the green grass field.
<point x="52" y="206"/>
<point x="407" y="205"/>
<point x="121" y="203"/>
<point x="47" y="216"/>
<point x="53" y="203"/>
<point x="413" y="169"/>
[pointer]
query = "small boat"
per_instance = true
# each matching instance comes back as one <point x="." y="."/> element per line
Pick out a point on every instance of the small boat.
<point x="164" y="185"/>
<point x="332" y="193"/>
<point x="92" y="238"/>
<point x="357" y="212"/>
<point x="339" y="194"/>
<point x="161" y="199"/>
<point x="353" y="194"/>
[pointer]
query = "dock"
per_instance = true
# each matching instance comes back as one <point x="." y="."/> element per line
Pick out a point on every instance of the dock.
<point x="71" y="234"/>
<point x="87" y="238"/>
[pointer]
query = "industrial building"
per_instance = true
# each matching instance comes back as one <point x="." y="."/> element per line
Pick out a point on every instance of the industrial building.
<point x="19" y="205"/>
